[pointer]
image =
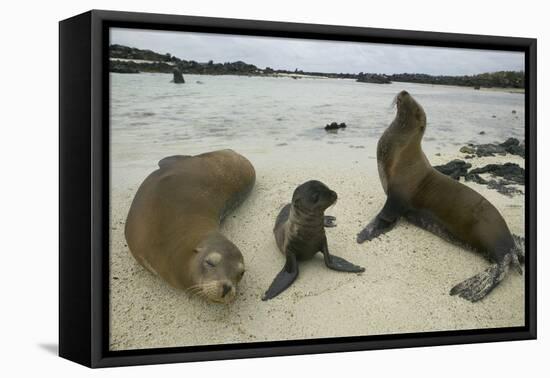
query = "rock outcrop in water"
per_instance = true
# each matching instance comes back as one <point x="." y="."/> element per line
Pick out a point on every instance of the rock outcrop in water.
<point x="178" y="77"/>
<point x="335" y="126"/>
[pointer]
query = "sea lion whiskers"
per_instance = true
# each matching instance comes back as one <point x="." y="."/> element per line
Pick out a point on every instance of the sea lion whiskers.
<point x="394" y="102"/>
<point x="194" y="291"/>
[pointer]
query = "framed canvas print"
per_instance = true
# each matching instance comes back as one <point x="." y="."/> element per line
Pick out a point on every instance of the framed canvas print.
<point x="234" y="188"/>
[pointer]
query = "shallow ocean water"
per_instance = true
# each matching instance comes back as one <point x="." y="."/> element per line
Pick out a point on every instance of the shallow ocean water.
<point x="244" y="113"/>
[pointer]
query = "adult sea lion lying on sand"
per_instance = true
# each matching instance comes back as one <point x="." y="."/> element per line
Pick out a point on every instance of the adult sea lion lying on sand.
<point x="300" y="233"/>
<point x="172" y="227"/>
<point x="438" y="203"/>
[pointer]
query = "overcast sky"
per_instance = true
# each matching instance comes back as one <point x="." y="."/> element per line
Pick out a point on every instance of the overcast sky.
<point x="320" y="56"/>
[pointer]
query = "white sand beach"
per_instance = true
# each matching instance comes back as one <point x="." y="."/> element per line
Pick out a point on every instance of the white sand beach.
<point x="409" y="272"/>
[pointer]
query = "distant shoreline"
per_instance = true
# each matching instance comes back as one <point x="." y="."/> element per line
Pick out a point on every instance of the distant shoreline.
<point x="311" y="77"/>
<point x="124" y="59"/>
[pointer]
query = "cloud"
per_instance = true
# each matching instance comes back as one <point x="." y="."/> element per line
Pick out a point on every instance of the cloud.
<point x="320" y="56"/>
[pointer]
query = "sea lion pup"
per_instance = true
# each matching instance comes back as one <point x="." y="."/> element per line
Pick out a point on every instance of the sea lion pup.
<point x="437" y="203"/>
<point x="300" y="233"/>
<point x="172" y="227"/>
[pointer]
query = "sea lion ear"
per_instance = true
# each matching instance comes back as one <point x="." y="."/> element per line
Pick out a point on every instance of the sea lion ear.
<point x="199" y="249"/>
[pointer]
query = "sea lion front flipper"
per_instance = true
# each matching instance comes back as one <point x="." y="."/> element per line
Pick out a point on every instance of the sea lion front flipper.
<point x="337" y="263"/>
<point x="383" y="222"/>
<point x="284" y="279"/>
<point x="330" y="221"/>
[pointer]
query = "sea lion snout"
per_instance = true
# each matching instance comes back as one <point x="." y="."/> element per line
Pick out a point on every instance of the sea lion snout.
<point x="410" y="114"/>
<point x="219" y="291"/>
<point x="400" y="97"/>
<point x="226" y="292"/>
<point x="226" y="288"/>
<point x="403" y="94"/>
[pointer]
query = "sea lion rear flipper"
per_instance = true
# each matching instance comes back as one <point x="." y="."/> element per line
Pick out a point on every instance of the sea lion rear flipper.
<point x="284" y="279"/>
<point x="520" y="247"/>
<point x="384" y="221"/>
<point x="337" y="263"/>
<point x="169" y="160"/>
<point x="330" y="221"/>
<point x="477" y="287"/>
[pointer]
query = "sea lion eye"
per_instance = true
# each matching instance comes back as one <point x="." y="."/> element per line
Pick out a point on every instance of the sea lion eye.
<point x="213" y="259"/>
<point x="315" y="197"/>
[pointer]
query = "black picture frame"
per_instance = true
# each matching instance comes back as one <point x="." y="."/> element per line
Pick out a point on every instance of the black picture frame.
<point x="84" y="187"/>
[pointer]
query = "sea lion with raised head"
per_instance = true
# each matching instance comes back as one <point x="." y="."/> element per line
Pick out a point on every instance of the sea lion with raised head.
<point x="300" y="233"/>
<point x="172" y="227"/>
<point x="437" y="203"/>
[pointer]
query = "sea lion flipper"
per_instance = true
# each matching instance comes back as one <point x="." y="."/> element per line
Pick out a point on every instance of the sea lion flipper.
<point x="342" y="265"/>
<point x="338" y="263"/>
<point x="383" y="222"/>
<point x="165" y="162"/>
<point x="375" y="228"/>
<point x="477" y="287"/>
<point x="520" y="247"/>
<point x="284" y="279"/>
<point x="330" y="221"/>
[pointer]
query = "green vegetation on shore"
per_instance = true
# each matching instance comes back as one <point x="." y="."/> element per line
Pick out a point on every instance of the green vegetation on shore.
<point x="125" y="59"/>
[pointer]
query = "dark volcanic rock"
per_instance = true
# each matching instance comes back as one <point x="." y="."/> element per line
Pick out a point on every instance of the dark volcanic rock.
<point x="507" y="174"/>
<point x="335" y="126"/>
<point x="511" y="146"/>
<point x="514" y="147"/>
<point x="511" y="174"/>
<point x="508" y="171"/>
<point x="500" y="186"/>
<point x="510" y="142"/>
<point x="489" y="150"/>
<point x="467" y="150"/>
<point x="455" y="169"/>
<point x="122" y="67"/>
<point x="373" y="78"/>
<point x="178" y="77"/>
